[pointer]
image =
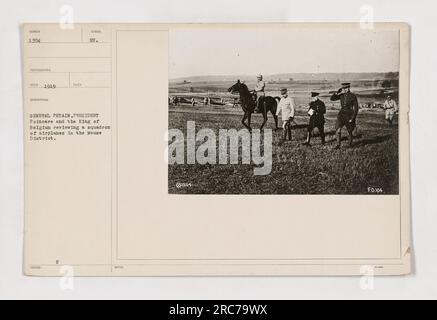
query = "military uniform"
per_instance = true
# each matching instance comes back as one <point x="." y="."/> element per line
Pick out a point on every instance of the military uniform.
<point x="317" y="112"/>
<point x="259" y="91"/>
<point x="317" y="119"/>
<point x="348" y="112"/>
<point x="259" y="88"/>
<point x="390" y="107"/>
<point x="287" y="108"/>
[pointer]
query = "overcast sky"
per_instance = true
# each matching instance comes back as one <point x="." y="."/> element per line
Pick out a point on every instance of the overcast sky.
<point x="243" y="51"/>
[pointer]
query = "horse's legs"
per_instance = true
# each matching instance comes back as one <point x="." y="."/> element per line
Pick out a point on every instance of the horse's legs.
<point x="265" y="117"/>
<point x="243" y="121"/>
<point x="275" y="117"/>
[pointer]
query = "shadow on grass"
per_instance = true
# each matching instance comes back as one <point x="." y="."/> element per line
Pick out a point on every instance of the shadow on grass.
<point x="299" y="126"/>
<point x="364" y="142"/>
<point x="373" y="140"/>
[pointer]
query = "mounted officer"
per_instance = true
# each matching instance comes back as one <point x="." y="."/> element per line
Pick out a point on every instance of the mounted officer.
<point x="259" y="92"/>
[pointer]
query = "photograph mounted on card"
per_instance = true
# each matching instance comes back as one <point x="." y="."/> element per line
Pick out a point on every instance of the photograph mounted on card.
<point x="284" y="110"/>
<point x="216" y="149"/>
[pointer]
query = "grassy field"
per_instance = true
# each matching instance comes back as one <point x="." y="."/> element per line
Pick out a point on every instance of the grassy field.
<point x="297" y="169"/>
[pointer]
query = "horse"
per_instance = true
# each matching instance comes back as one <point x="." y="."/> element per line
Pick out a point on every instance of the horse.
<point x="248" y="104"/>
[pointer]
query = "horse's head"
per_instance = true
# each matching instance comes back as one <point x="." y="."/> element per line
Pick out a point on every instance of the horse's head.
<point x="236" y="87"/>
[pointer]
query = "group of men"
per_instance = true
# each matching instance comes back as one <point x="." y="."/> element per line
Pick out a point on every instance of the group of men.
<point x="346" y="117"/>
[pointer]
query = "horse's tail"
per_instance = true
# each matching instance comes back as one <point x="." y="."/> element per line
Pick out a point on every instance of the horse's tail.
<point x="275" y="106"/>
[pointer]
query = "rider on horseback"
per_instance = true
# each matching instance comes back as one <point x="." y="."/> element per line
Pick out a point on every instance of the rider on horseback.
<point x="259" y="92"/>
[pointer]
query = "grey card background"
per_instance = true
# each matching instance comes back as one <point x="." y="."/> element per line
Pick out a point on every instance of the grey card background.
<point x="423" y="282"/>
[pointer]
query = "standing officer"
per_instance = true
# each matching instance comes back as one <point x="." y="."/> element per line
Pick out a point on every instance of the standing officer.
<point x="348" y="113"/>
<point x="259" y="91"/>
<point x="390" y="107"/>
<point x="316" y="112"/>
<point x="287" y="108"/>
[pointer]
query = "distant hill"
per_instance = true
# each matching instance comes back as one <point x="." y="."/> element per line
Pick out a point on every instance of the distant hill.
<point x="295" y="76"/>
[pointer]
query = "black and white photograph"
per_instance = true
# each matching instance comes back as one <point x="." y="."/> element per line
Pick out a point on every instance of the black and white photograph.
<point x="284" y="110"/>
